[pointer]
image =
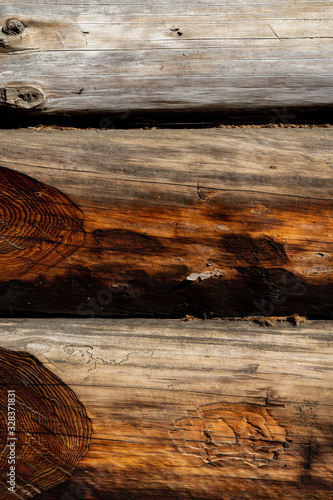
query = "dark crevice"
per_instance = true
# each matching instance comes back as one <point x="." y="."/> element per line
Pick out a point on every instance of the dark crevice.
<point x="178" y="119"/>
<point x="265" y="321"/>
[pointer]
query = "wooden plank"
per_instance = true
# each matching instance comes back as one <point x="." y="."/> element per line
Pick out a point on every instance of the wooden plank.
<point x="85" y="56"/>
<point x="203" y="410"/>
<point x="211" y="222"/>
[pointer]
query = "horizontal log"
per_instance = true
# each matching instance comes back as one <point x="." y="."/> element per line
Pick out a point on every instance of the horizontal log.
<point x="203" y="409"/>
<point x="208" y="223"/>
<point x="87" y="57"/>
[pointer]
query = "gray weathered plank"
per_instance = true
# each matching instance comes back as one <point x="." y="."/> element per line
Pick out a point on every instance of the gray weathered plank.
<point x="86" y="56"/>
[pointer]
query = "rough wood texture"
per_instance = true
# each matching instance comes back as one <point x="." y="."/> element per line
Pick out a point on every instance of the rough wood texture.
<point x="88" y="56"/>
<point x="44" y="429"/>
<point x="205" y="410"/>
<point x="39" y="224"/>
<point x="217" y="222"/>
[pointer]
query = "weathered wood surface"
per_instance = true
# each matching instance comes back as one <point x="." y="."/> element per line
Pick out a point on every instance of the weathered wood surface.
<point x="88" y="56"/>
<point x="205" y="409"/>
<point x="216" y="222"/>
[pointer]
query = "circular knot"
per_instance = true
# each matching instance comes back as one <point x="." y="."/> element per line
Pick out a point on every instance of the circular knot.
<point x="13" y="27"/>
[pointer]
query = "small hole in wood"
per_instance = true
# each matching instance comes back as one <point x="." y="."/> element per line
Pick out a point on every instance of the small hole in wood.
<point x="177" y="30"/>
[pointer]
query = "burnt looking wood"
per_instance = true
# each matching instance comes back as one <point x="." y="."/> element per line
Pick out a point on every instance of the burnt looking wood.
<point x="207" y="223"/>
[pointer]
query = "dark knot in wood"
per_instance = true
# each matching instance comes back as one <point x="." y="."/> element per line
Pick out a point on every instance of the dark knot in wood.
<point x="44" y="429"/>
<point x="21" y="97"/>
<point x="13" y="27"/>
<point x="38" y="225"/>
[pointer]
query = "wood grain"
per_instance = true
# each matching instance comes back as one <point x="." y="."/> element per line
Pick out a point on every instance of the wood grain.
<point x="203" y="410"/>
<point x="86" y="57"/>
<point x="37" y="225"/>
<point x="211" y="222"/>
<point x="44" y="431"/>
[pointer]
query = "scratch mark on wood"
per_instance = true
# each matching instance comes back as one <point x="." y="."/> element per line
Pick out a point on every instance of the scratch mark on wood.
<point x="274" y="32"/>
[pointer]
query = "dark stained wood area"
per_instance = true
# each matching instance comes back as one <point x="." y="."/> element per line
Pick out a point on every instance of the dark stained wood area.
<point x="223" y="222"/>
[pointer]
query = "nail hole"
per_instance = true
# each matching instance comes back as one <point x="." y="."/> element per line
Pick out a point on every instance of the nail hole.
<point x="177" y="30"/>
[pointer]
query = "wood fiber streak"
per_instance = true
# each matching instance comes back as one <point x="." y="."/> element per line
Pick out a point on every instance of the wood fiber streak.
<point x="217" y="222"/>
<point x="52" y="431"/>
<point x="88" y="57"/>
<point x="209" y="410"/>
